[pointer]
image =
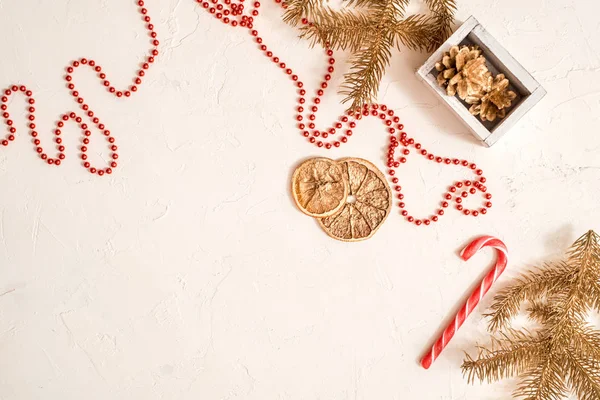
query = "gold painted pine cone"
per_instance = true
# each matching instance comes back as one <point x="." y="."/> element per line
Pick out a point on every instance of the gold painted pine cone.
<point x="463" y="71"/>
<point x="494" y="104"/>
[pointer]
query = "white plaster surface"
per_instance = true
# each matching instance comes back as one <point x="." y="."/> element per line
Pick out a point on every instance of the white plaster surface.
<point x="190" y="274"/>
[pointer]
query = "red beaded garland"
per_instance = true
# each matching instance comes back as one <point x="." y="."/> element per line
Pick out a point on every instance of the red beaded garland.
<point x="14" y="89"/>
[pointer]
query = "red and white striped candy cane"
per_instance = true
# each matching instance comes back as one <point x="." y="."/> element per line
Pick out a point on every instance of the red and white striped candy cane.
<point x="476" y="296"/>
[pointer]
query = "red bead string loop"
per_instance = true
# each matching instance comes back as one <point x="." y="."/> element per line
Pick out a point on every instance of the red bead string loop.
<point x="91" y="116"/>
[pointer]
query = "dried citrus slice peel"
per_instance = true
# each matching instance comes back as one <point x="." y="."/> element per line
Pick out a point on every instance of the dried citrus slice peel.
<point x="368" y="202"/>
<point x="319" y="187"/>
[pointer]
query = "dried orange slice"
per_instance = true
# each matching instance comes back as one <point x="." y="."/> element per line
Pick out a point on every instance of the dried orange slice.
<point x="368" y="204"/>
<point x="319" y="188"/>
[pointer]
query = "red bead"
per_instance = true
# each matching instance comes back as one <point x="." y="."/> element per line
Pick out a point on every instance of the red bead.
<point x="467" y="212"/>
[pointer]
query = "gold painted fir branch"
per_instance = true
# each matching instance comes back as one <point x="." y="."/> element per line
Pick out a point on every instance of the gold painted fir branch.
<point x="369" y="30"/>
<point x="563" y="355"/>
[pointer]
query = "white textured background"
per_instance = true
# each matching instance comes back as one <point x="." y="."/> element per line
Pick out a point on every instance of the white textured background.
<point x="190" y="274"/>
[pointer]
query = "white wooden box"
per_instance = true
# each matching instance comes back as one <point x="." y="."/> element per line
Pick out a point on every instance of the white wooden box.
<point x="528" y="90"/>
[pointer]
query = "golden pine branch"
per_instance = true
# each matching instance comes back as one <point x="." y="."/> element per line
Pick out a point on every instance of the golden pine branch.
<point x="369" y="29"/>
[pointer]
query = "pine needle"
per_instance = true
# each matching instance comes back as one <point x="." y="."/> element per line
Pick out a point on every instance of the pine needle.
<point x="339" y="29"/>
<point x="507" y="358"/>
<point x="534" y="286"/>
<point x="362" y="82"/>
<point x="584" y="377"/>
<point x="541" y="312"/>
<point x="298" y="9"/>
<point x="443" y="12"/>
<point x="414" y="32"/>
<point x="544" y="382"/>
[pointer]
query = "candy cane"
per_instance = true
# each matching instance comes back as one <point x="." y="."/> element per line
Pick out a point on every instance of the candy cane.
<point x="476" y="296"/>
